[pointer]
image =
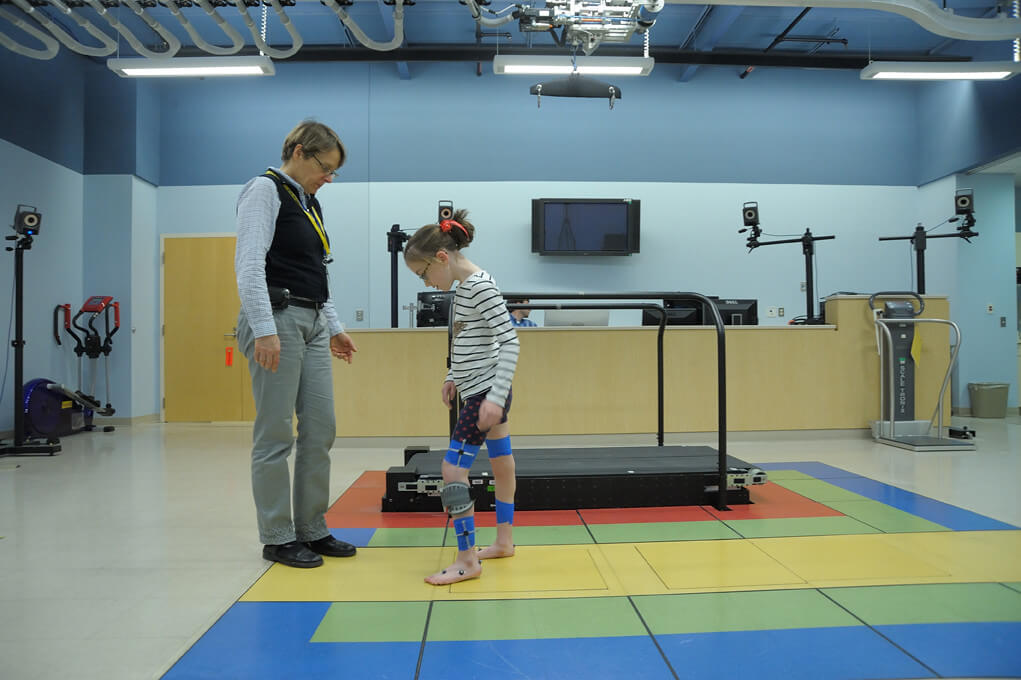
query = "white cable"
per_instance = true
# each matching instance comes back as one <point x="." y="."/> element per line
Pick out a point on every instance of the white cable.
<point x="364" y="39"/>
<point x="135" y="43"/>
<point x="296" y="41"/>
<point x="235" y="37"/>
<point x="51" y="46"/>
<point x="486" y="21"/>
<point x="109" y="45"/>
<point x="173" y="44"/>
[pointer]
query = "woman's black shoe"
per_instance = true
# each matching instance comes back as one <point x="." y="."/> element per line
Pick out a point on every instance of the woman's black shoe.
<point x="331" y="547"/>
<point x="292" y="554"/>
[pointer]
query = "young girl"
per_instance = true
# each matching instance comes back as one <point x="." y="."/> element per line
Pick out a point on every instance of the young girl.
<point x="484" y="353"/>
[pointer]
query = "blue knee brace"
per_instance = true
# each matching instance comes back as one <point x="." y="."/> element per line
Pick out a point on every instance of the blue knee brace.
<point x="464" y="527"/>
<point x="498" y="447"/>
<point x="504" y="512"/>
<point x="462" y="455"/>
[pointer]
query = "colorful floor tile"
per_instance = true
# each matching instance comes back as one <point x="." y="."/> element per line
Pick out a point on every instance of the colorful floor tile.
<point x="826" y="575"/>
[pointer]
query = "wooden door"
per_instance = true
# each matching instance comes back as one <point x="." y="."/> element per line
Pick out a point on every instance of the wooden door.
<point x="205" y="376"/>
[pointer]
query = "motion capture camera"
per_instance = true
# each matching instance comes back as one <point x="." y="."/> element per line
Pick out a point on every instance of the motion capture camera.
<point x="964" y="202"/>
<point x="27" y="221"/>
<point x="750" y="213"/>
<point x="445" y="211"/>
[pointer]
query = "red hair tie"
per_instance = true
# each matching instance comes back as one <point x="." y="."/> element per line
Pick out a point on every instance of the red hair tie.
<point x="447" y="225"/>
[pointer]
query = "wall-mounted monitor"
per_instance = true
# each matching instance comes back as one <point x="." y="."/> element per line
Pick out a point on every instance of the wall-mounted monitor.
<point x="585" y="226"/>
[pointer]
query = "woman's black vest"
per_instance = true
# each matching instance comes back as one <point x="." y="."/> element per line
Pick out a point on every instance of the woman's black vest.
<point x="296" y="258"/>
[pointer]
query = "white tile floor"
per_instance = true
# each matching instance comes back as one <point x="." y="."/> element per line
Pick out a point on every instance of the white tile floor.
<point x="118" y="553"/>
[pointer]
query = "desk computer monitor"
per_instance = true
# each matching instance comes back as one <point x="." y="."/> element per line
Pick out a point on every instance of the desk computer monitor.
<point x="433" y="308"/>
<point x="576" y="317"/>
<point x="735" y="312"/>
<point x="678" y="313"/>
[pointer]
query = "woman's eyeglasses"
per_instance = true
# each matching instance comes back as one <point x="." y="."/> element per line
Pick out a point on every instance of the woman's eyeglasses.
<point x="326" y="171"/>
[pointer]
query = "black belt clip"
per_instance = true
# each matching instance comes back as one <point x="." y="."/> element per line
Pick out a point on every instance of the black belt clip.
<point x="279" y="298"/>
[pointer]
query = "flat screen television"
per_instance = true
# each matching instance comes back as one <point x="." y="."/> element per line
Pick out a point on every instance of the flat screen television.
<point x="678" y="313"/>
<point x="585" y="226"/>
<point x="433" y="308"/>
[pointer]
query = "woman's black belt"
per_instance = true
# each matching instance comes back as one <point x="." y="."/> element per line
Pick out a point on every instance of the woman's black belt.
<point x="305" y="302"/>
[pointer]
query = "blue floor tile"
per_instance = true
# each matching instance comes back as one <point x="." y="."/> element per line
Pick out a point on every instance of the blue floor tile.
<point x="271" y="641"/>
<point x="356" y="537"/>
<point x="963" y="649"/>
<point x="846" y="653"/>
<point x="616" y="658"/>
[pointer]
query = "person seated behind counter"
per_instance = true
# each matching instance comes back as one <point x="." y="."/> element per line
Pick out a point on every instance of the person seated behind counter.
<point x="519" y="317"/>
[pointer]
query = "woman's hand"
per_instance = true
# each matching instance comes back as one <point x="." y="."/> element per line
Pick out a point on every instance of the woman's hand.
<point x="342" y="346"/>
<point x="267" y="352"/>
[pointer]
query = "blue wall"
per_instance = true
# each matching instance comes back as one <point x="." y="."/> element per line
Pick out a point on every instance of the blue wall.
<point x="819" y="150"/>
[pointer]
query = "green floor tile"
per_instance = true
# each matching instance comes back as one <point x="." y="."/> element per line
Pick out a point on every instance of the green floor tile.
<point x="534" y="619"/>
<point x="642" y="532"/>
<point x="373" y="622"/>
<point x="930" y="603"/>
<point x="402" y="538"/>
<point x="819" y="491"/>
<point x="787" y="474"/>
<point x="1014" y="586"/>
<point x="799" y="526"/>
<point x="758" y="610"/>
<point x="551" y="535"/>
<point x="884" y="517"/>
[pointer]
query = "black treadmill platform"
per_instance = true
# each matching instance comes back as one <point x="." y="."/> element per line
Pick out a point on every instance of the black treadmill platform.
<point x="577" y="478"/>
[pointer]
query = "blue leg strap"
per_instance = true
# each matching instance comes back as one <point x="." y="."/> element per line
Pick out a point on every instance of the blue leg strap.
<point x="499" y="447"/>
<point x="464" y="527"/>
<point x="504" y="512"/>
<point x="462" y="455"/>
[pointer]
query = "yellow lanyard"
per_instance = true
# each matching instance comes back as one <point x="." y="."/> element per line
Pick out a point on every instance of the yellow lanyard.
<point x="317" y="222"/>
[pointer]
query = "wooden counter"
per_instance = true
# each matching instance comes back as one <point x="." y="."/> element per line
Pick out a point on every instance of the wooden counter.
<point x="603" y="380"/>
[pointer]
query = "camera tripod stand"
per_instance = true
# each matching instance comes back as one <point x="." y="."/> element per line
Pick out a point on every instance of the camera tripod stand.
<point x="807" y="242"/>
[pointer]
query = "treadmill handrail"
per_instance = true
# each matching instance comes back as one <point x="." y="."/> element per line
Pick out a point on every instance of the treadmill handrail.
<point x="721" y="354"/>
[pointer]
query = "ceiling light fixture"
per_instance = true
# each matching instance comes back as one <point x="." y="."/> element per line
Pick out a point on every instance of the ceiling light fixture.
<point x="191" y="67"/>
<point x="513" y="64"/>
<point x="942" y="70"/>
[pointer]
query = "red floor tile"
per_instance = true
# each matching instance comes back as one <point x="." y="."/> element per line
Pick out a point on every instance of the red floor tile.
<point x="772" y="501"/>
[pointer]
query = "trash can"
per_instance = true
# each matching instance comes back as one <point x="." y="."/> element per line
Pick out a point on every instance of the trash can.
<point x="988" y="400"/>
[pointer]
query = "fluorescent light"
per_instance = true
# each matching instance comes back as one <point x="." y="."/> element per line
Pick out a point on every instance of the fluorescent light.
<point x="512" y="64"/>
<point x="942" y="70"/>
<point x="193" y="67"/>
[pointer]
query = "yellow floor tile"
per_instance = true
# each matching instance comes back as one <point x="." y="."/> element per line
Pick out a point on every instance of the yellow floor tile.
<point x="860" y="558"/>
<point x="967" y="555"/>
<point x="564" y="569"/>
<point x="715" y="564"/>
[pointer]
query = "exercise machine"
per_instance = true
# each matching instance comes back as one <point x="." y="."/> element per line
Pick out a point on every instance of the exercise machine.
<point x="617" y="477"/>
<point x="896" y="338"/>
<point x="88" y="341"/>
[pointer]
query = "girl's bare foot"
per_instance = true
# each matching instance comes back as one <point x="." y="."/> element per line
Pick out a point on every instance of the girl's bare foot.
<point x="496" y="550"/>
<point x="458" y="571"/>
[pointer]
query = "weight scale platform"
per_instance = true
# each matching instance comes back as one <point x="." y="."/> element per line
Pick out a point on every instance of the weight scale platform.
<point x="577" y="478"/>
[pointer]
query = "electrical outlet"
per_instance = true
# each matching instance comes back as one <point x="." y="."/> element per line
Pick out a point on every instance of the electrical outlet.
<point x="1003" y="322"/>
<point x="804" y="286"/>
<point x="779" y="311"/>
<point x="989" y="309"/>
<point x="359" y="315"/>
<point x="771" y="312"/>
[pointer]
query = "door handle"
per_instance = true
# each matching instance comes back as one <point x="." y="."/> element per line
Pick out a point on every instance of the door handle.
<point x="233" y="334"/>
